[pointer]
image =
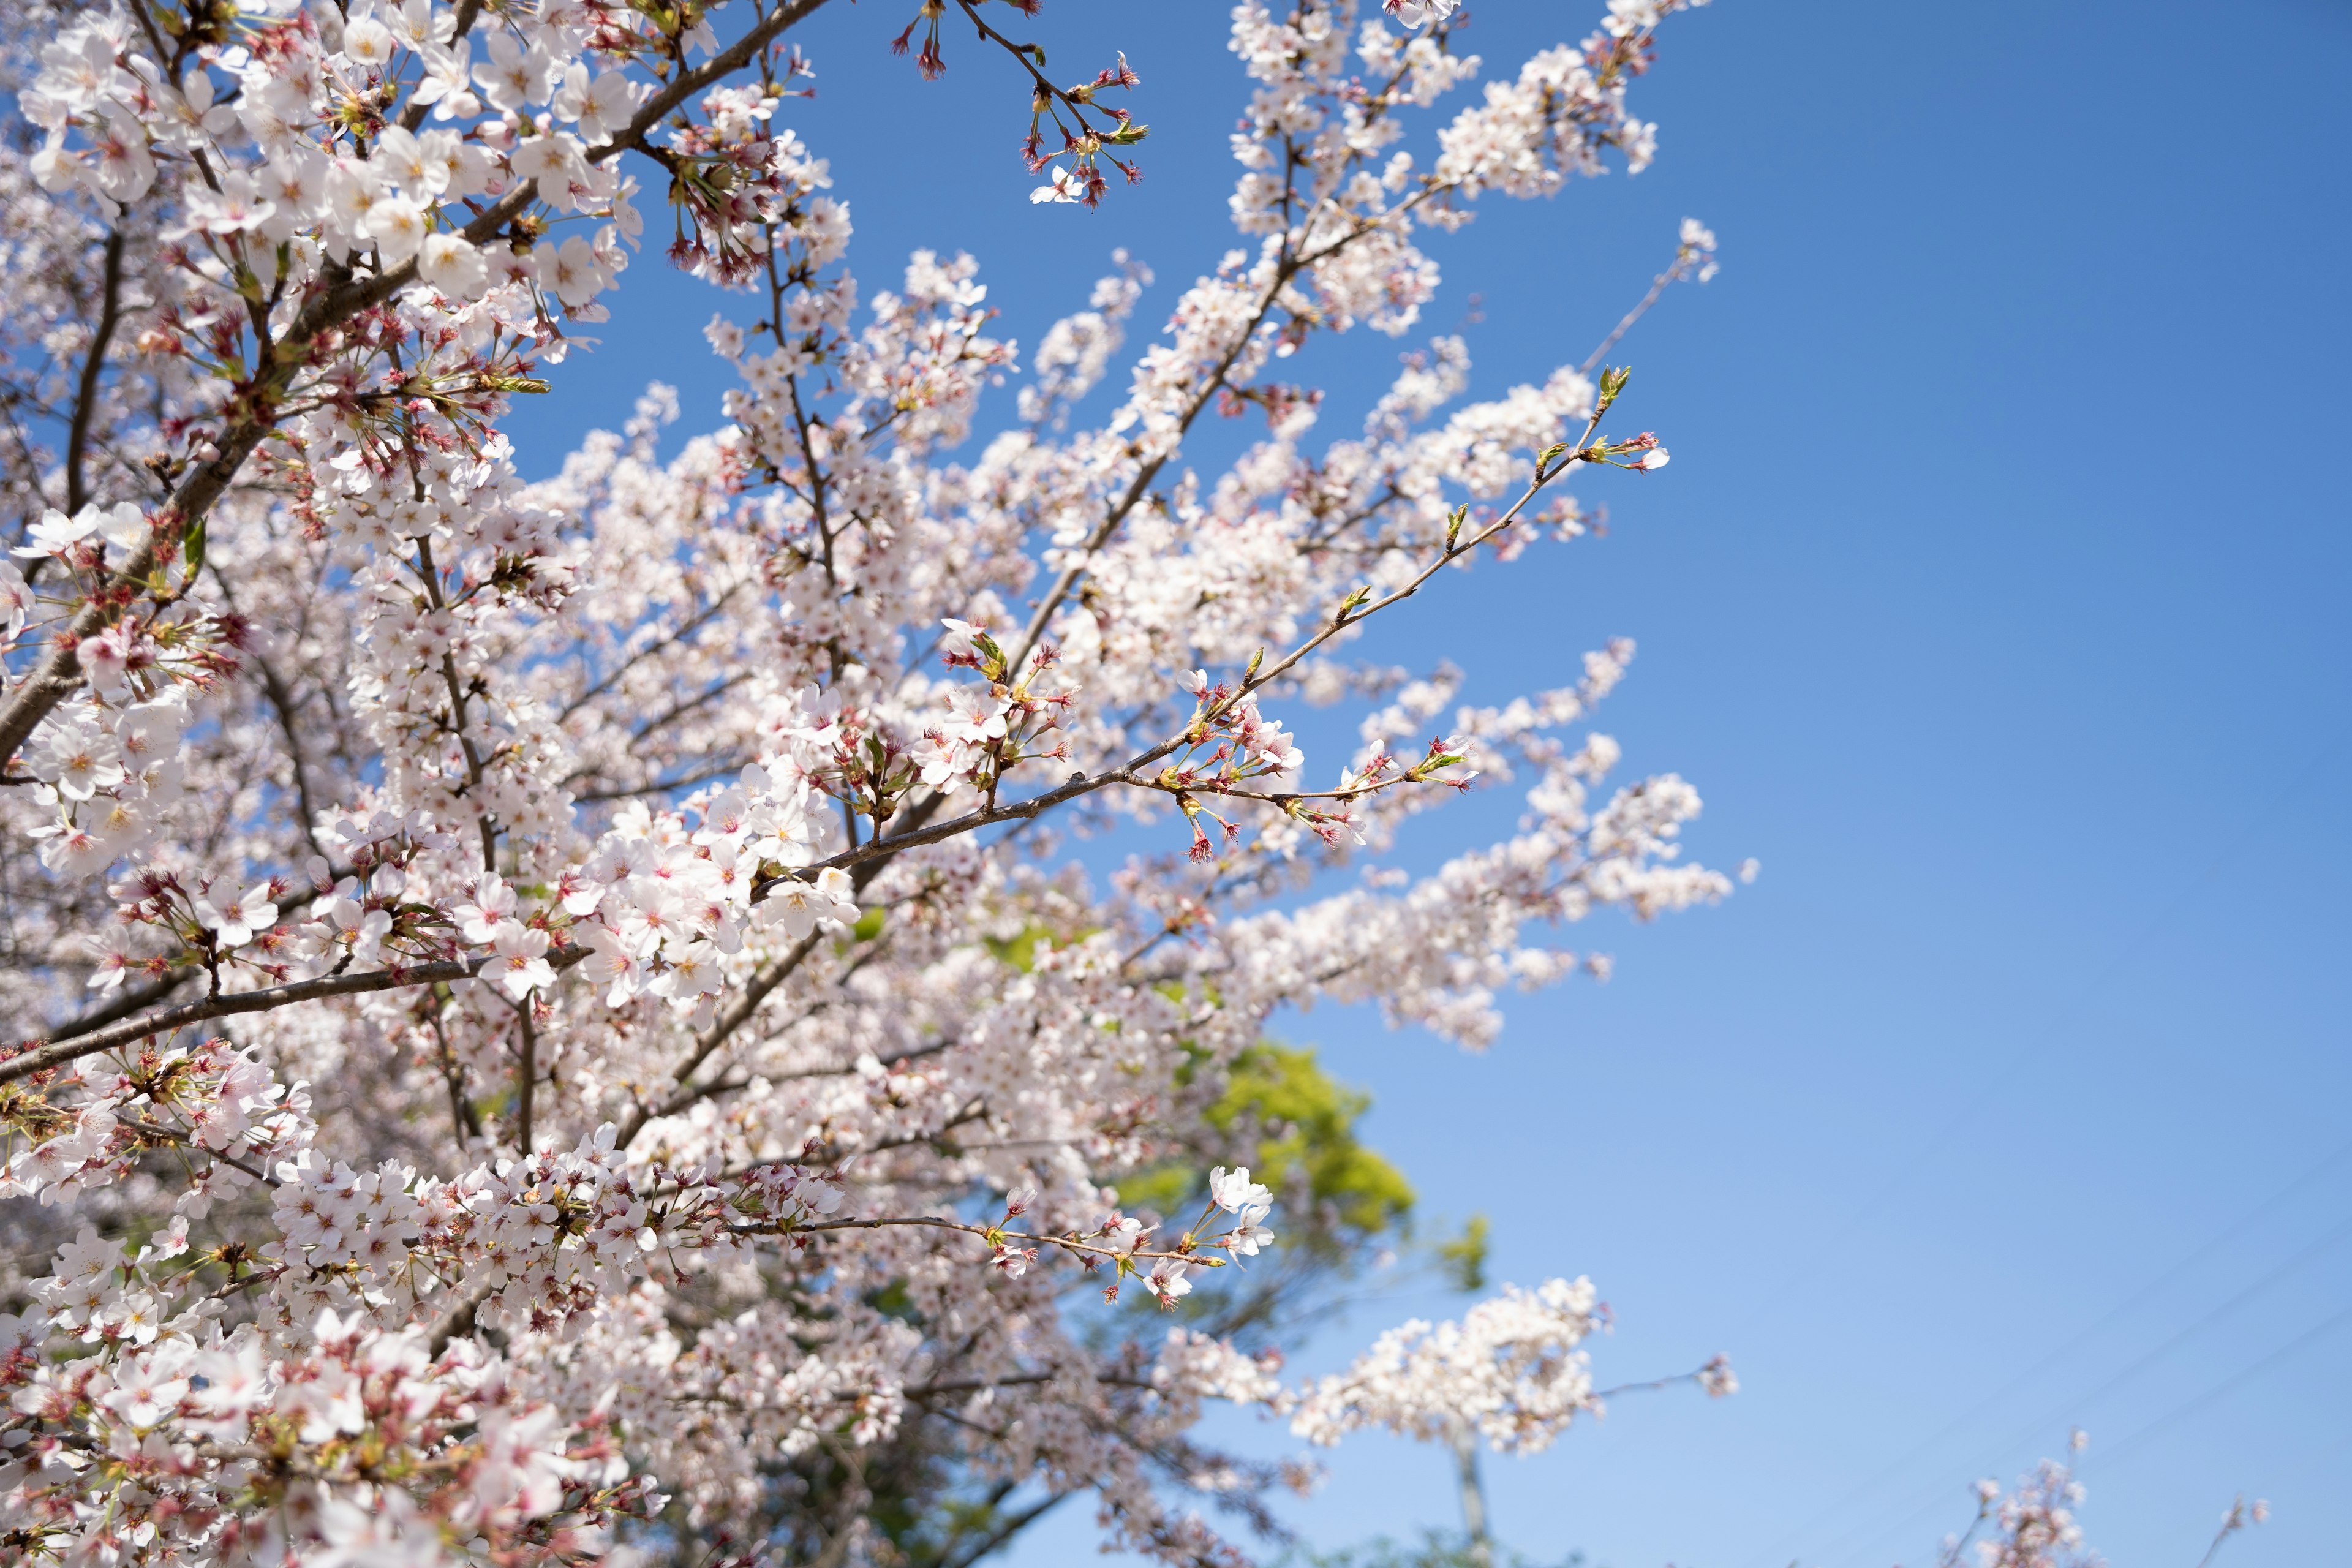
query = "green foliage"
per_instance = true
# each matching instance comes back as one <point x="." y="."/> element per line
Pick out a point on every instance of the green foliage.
<point x="1463" y="1257"/>
<point x="1303" y="1122"/>
<point x="1307" y="1122"/>
<point x="1018" y="952"/>
<point x="894" y="1300"/>
<point x="1164" y="1189"/>
<point x="1297" y="1126"/>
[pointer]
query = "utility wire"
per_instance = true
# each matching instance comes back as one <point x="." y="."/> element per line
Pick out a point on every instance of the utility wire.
<point x="2121" y="1309"/>
<point x="2076" y="1405"/>
<point x="2308" y="1337"/>
<point x="1885" y="1191"/>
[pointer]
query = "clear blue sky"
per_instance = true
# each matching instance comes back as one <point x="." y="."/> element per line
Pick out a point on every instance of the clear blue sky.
<point x="1995" y="601"/>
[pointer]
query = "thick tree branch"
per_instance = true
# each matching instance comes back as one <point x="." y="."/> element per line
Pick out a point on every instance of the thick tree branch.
<point x="57" y="1053"/>
<point x="757" y="990"/>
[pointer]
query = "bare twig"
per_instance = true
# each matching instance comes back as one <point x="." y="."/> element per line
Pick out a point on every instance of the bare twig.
<point x="93" y="366"/>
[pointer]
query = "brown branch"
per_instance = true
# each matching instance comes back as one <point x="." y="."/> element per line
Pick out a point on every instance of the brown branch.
<point x="1685" y="263"/>
<point x="689" y="1096"/>
<point x="92" y="367"/>
<point x="692" y="623"/>
<point x="463" y="1122"/>
<point x="282" y="703"/>
<point x="56" y="1053"/>
<point x="172" y="1136"/>
<point x="1194" y="1260"/>
<point x="1291" y="267"/>
<point x="462" y="24"/>
<point x="760" y="985"/>
<point x="1013" y="1525"/>
<point x="526" y="1075"/>
<point x="457" y="1320"/>
<point x="650" y="786"/>
<point x="1023" y="1380"/>
<point x="1350" y="614"/>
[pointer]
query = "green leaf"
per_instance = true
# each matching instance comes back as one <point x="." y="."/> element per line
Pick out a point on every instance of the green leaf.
<point x="1612" y="386"/>
<point x="1019" y="952"/>
<point x="192" y="546"/>
<point x="1464" y="1256"/>
<point x="1308" y="1120"/>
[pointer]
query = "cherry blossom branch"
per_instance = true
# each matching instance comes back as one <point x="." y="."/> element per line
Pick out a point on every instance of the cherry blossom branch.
<point x="231" y="1003"/>
<point x="620" y="672"/>
<point x="131" y="1000"/>
<point x="461" y="24"/>
<point x="280" y="360"/>
<point x="93" y="366"/>
<point x="526" y="1075"/>
<point x="994" y="1235"/>
<point x="2240" y="1516"/>
<point x="281" y="702"/>
<point x="1690" y="260"/>
<point x="1046" y="96"/>
<point x="1028" y="1380"/>
<point x="1710" y="1377"/>
<point x="42" y="1056"/>
<point x="1356" y="609"/>
<point x="162" y="1134"/>
<point x="690" y="1095"/>
<point x="1351" y="613"/>
<point x="1075" y="572"/>
<point x="756" y="991"/>
<point x="1286" y="270"/>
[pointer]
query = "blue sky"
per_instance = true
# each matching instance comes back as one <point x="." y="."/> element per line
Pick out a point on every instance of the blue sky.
<point x="1995" y="602"/>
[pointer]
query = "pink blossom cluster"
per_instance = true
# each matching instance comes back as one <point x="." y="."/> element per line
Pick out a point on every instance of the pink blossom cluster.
<point x="563" y="1016"/>
<point x="1510" y="1369"/>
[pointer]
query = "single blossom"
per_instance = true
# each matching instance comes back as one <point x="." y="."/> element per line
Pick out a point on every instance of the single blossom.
<point x="234" y="918"/>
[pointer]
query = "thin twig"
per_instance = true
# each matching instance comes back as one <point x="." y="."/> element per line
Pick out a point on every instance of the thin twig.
<point x="93" y="366"/>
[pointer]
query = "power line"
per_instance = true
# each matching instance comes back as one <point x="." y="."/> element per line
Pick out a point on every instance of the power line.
<point x="1883" y="1192"/>
<point x="2119" y="1310"/>
<point x="1844" y="1233"/>
<point x="2076" y="1405"/>
<point x="2308" y="1337"/>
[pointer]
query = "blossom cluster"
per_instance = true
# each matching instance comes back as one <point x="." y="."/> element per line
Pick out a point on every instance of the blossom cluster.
<point x="567" y="1018"/>
<point x="1510" y="1368"/>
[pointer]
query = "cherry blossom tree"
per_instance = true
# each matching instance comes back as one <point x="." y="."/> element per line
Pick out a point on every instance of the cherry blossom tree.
<point x="562" y="1020"/>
